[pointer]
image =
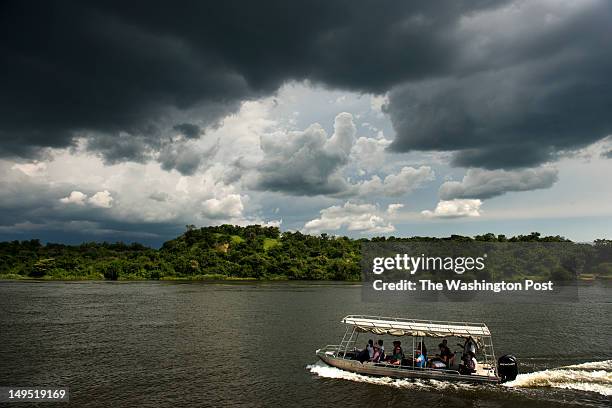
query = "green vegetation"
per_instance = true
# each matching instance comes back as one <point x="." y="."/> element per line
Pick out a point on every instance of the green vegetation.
<point x="264" y="253"/>
<point x="270" y="243"/>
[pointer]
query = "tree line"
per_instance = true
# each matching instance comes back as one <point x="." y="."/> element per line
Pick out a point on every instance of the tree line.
<point x="260" y="252"/>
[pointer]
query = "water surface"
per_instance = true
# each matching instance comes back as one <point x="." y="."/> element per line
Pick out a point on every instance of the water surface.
<point x="156" y="344"/>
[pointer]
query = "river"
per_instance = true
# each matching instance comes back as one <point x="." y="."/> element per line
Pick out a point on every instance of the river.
<point x="157" y="344"/>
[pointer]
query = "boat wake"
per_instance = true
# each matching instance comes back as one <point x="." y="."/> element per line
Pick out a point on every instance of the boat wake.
<point x="325" y="371"/>
<point x="592" y="376"/>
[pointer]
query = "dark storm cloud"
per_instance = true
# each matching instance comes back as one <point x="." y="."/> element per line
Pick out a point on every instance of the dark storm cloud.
<point x="189" y="130"/>
<point x="117" y="148"/>
<point x="184" y="157"/>
<point x="521" y="102"/>
<point x="74" y="68"/>
<point x="498" y="96"/>
<point x="107" y="70"/>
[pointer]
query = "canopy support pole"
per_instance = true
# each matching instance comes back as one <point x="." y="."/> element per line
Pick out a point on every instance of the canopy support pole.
<point x="344" y="338"/>
<point x="413" y="352"/>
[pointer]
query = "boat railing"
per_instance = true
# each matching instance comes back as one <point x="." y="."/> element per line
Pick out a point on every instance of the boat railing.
<point x="330" y="349"/>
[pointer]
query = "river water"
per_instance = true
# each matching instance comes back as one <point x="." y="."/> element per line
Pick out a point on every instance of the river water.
<point x="156" y="344"/>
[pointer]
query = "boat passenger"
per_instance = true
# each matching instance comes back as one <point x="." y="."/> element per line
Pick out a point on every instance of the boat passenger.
<point x="445" y="354"/>
<point x="421" y="347"/>
<point x="469" y="364"/>
<point x="382" y="350"/>
<point x="398" y="354"/>
<point x="367" y="353"/>
<point x="376" y="357"/>
<point x="468" y="346"/>
<point x="420" y="360"/>
<point x="397" y="343"/>
<point x="437" y="363"/>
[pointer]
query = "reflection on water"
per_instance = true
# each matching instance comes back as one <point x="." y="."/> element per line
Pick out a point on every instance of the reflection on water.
<point x="195" y="344"/>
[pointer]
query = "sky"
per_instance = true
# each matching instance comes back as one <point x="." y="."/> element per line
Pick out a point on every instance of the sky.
<point x="126" y="121"/>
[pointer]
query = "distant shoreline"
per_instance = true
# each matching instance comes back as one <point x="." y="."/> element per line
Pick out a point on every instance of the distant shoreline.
<point x="211" y="279"/>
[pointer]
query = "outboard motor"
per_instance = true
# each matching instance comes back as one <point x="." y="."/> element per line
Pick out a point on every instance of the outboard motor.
<point x="507" y="368"/>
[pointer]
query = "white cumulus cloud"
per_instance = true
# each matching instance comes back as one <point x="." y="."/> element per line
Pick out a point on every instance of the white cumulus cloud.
<point x="307" y="162"/>
<point x="75" y="197"/>
<point x="393" y="185"/>
<point x="102" y="199"/>
<point x="394" y="208"/>
<point x="364" y="218"/>
<point x="455" y="209"/>
<point x="369" y="153"/>
<point x="228" y="206"/>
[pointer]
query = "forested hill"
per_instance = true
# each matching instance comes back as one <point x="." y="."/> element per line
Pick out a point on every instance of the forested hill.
<point x="223" y="252"/>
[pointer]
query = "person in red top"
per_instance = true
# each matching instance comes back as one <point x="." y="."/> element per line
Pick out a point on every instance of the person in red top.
<point x="377" y="353"/>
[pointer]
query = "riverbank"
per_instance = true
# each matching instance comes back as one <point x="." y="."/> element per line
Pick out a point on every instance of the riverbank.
<point x="200" y="278"/>
<point x="219" y="278"/>
<point x="210" y="277"/>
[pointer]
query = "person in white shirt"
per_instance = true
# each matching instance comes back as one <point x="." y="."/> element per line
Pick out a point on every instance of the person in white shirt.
<point x="370" y="348"/>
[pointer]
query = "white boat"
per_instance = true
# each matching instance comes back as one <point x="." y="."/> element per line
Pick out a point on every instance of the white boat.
<point x="476" y="336"/>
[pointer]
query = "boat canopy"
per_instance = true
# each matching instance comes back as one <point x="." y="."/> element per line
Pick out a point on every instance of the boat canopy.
<point x="417" y="328"/>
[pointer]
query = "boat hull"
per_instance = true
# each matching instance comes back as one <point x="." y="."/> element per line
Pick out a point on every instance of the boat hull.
<point x="386" y="370"/>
